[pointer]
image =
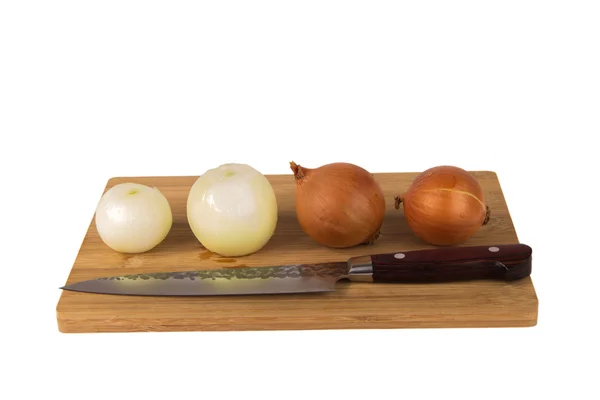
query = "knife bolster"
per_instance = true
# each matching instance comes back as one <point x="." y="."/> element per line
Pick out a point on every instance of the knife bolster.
<point x="360" y="269"/>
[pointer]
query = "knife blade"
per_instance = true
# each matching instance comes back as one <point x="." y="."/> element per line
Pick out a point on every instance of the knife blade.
<point x="507" y="262"/>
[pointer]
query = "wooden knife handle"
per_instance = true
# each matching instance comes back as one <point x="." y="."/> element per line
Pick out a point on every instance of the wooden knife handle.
<point x="448" y="264"/>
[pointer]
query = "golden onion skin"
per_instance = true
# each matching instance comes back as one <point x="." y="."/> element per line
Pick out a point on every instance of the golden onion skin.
<point x="445" y="205"/>
<point x="339" y="205"/>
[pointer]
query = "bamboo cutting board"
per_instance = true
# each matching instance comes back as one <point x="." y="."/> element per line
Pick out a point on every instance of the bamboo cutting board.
<point x="351" y="306"/>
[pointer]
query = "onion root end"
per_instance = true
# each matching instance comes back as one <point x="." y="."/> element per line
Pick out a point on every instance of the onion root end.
<point x="487" y="216"/>
<point x="397" y="201"/>
<point x="373" y="238"/>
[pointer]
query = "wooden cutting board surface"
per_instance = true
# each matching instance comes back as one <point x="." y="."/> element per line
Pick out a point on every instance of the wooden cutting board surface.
<point x="351" y="306"/>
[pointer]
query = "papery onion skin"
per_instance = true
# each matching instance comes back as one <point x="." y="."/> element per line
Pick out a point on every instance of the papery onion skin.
<point x="444" y="206"/>
<point x="232" y="210"/>
<point x="133" y="218"/>
<point x="339" y="205"/>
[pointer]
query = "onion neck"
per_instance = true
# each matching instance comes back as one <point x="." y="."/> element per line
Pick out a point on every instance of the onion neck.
<point x="298" y="171"/>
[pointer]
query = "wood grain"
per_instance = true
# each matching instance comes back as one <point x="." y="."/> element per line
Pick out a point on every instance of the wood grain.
<point x="351" y="306"/>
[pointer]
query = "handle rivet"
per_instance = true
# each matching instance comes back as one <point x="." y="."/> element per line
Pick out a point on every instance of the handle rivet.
<point x="399" y="256"/>
<point x="494" y="249"/>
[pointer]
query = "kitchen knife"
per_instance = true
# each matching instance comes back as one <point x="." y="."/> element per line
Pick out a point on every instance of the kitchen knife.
<point x="506" y="262"/>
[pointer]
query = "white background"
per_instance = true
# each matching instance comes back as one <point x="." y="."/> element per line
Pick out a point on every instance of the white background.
<point x="91" y="90"/>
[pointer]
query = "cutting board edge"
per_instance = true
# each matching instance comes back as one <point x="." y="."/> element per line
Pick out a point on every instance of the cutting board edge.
<point x="110" y="180"/>
<point x="69" y="325"/>
<point x="264" y="328"/>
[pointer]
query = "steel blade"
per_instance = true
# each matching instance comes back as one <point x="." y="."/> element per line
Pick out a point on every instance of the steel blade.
<point x="298" y="278"/>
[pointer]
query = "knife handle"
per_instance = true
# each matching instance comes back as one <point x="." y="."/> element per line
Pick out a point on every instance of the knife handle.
<point x="507" y="262"/>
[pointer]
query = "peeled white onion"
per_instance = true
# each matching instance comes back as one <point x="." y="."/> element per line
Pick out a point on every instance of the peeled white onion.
<point x="133" y="218"/>
<point x="232" y="210"/>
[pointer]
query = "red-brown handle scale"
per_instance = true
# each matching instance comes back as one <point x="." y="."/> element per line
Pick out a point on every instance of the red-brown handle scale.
<point x="447" y="264"/>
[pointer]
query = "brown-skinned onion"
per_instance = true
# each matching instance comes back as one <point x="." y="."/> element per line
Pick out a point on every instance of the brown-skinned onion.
<point x="444" y="205"/>
<point x="338" y="205"/>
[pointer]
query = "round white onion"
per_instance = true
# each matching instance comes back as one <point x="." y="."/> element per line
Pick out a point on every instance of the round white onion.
<point x="232" y="210"/>
<point x="133" y="218"/>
